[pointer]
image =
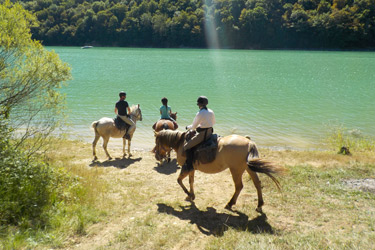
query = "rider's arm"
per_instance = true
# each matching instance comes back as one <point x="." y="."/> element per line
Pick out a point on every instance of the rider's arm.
<point x="116" y="111"/>
<point x="128" y="110"/>
<point x="196" y="122"/>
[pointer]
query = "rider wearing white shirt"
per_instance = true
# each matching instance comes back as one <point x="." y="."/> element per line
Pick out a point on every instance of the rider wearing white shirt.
<point x="203" y="123"/>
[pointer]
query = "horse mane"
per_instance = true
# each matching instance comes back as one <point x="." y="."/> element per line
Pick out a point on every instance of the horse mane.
<point x="171" y="138"/>
<point x="133" y="108"/>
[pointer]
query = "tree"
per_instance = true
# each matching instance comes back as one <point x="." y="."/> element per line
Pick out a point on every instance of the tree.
<point x="30" y="77"/>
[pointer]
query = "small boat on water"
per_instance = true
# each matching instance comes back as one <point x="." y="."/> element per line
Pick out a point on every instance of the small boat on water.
<point x="87" y="47"/>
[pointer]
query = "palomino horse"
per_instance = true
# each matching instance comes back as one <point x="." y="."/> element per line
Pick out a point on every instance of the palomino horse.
<point x="165" y="123"/>
<point x="235" y="152"/>
<point x="106" y="128"/>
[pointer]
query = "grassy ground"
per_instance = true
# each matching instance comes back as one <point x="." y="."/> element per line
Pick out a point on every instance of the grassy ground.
<point x="136" y="204"/>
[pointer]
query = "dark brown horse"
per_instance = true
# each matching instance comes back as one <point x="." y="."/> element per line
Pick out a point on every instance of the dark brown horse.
<point x="235" y="152"/>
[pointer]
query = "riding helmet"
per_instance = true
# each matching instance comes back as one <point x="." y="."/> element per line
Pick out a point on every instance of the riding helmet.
<point x="122" y="93"/>
<point x="202" y="100"/>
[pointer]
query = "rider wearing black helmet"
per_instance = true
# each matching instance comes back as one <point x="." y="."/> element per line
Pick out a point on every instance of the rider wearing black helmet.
<point x="203" y="123"/>
<point x="122" y="110"/>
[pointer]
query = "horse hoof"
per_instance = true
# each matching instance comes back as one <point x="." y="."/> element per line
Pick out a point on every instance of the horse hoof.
<point x="95" y="158"/>
<point x="228" y="207"/>
<point x="259" y="210"/>
<point x="189" y="198"/>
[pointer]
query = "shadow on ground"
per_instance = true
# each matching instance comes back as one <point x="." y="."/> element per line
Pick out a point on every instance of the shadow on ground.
<point x="211" y="222"/>
<point x="117" y="162"/>
<point x="167" y="168"/>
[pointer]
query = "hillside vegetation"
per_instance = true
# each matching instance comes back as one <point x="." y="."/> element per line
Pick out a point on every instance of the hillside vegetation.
<point x="337" y="24"/>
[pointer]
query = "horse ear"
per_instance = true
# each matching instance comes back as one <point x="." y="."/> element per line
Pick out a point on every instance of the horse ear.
<point x="138" y="105"/>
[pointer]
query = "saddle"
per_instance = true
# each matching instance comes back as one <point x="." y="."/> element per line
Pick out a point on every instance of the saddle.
<point x="205" y="152"/>
<point x="120" y="124"/>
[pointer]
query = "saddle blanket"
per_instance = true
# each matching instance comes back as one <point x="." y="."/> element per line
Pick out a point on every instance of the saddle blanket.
<point x="206" y="151"/>
<point x="120" y="124"/>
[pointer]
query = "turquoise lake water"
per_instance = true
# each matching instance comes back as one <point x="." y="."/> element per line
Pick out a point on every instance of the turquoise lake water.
<point x="286" y="99"/>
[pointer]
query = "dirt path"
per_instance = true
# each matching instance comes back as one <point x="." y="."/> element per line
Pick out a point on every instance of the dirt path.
<point x="142" y="169"/>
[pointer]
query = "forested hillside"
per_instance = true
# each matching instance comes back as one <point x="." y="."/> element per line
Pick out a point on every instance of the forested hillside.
<point x="337" y="24"/>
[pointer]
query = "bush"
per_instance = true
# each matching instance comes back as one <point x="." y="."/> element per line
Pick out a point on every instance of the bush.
<point x="28" y="187"/>
<point x="353" y="139"/>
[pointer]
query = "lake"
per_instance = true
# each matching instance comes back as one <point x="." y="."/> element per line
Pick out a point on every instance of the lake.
<point x="282" y="99"/>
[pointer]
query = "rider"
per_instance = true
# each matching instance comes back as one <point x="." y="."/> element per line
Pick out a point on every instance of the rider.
<point x="203" y="122"/>
<point x="165" y="112"/>
<point x="122" y="110"/>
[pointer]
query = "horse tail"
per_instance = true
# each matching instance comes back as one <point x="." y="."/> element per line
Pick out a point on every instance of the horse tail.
<point x="252" y="150"/>
<point x="94" y="125"/>
<point x="165" y="126"/>
<point x="260" y="166"/>
<point x="267" y="168"/>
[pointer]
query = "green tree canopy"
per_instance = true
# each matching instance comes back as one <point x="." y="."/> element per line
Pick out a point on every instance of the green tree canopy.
<point x="30" y="77"/>
<point x="235" y="23"/>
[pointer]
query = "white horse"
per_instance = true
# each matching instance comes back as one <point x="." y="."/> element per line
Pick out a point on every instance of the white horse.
<point x="106" y="128"/>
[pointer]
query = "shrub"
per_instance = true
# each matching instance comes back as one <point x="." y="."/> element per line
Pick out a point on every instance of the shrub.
<point x="353" y="139"/>
<point x="25" y="185"/>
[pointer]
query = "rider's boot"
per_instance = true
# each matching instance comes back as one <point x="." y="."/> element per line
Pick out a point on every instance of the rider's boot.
<point x="126" y="135"/>
<point x="188" y="166"/>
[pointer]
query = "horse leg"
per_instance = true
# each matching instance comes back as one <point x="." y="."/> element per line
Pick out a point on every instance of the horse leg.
<point x="257" y="184"/>
<point x="123" y="147"/>
<point x="182" y="176"/>
<point x="169" y="157"/>
<point x="129" y="143"/>
<point x="97" y="136"/>
<point x="237" y="179"/>
<point x="191" y="183"/>
<point x="105" y="143"/>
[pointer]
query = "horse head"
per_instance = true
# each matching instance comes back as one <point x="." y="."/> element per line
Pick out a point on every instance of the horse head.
<point x="174" y="116"/>
<point x="136" y="112"/>
<point x="160" y="150"/>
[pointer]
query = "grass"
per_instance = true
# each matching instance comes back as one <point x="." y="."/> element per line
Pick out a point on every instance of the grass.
<point x="132" y="204"/>
<point x="77" y="207"/>
<point x="315" y="211"/>
<point x="339" y="136"/>
<point x="318" y="212"/>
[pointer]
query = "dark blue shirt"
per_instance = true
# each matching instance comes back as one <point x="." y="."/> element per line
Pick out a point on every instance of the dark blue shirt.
<point x="122" y="107"/>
